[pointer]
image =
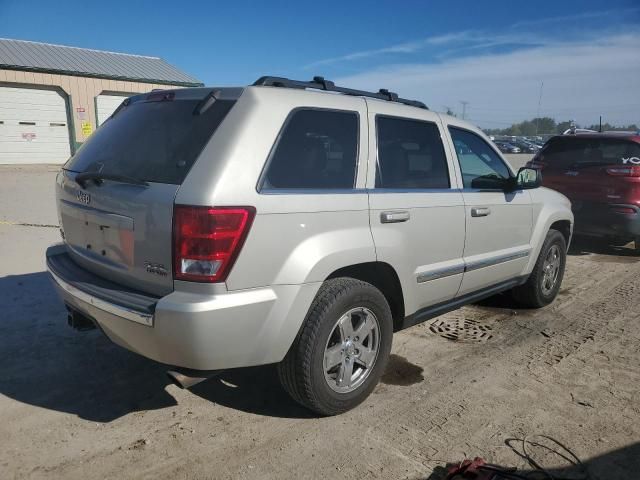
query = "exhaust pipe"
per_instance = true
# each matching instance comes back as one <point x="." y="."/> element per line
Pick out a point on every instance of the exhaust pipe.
<point x="187" y="378"/>
<point x="78" y="321"/>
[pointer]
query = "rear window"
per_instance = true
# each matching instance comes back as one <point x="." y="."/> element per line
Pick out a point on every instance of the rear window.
<point x="565" y="152"/>
<point x="155" y="141"/>
<point x="317" y="149"/>
<point x="410" y="155"/>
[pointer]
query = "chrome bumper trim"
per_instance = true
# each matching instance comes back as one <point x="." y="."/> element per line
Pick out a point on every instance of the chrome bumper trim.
<point x="132" y="315"/>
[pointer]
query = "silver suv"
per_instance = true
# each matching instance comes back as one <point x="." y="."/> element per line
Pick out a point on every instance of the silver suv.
<point x="293" y="223"/>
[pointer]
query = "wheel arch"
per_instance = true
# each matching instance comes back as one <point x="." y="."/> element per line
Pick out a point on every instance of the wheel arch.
<point x="550" y="218"/>
<point x="382" y="276"/>
<point x="564" y="227"/>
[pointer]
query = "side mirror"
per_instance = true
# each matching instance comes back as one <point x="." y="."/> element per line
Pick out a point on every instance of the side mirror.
<point x="528" y="178"/>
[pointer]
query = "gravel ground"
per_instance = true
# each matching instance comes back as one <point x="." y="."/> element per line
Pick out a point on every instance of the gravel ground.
<point x="73" y="405"/>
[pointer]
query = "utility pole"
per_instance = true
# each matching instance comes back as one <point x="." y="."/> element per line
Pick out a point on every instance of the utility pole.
<point x="464" y="108"/>
<point x="538" y="111"/>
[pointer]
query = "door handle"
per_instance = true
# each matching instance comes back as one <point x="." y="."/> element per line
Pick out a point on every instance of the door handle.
<point x="395" y="216"/>
<point x="480" y="212"/>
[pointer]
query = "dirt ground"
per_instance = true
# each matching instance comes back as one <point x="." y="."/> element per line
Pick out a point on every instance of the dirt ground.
<point x="74" y="406"/>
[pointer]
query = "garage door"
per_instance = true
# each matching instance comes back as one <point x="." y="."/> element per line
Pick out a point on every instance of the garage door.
<point x="106" y="105"/>
<point x="33" y="126"/>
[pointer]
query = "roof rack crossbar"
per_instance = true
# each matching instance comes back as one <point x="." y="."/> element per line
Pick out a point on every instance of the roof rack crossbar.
<point x="319" y="83"/>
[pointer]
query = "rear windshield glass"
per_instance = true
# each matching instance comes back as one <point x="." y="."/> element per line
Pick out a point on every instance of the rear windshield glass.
<point x="155" y="141"/>
<point x="565" y="152"/>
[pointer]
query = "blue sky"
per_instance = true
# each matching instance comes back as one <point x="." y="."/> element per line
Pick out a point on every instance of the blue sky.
<point x="493" y="54"/>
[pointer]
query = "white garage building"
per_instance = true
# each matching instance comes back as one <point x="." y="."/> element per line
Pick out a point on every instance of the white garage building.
<point x="53" y="97"/>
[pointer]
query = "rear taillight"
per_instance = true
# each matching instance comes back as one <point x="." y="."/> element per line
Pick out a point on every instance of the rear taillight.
<point x="207" y="240"/>
<point x="627" y="171"/>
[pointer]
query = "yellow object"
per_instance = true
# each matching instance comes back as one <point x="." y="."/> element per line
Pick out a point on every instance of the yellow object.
<point x="87" y="128"/>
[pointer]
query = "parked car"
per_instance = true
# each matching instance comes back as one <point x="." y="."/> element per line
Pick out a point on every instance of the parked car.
<point x="506" y="147"/>
<point x="525" y="147"/>
<point x="217" y="228"/>
<point x="600" y="173"/>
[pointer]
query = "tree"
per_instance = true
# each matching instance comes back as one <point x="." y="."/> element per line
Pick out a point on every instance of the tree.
<point x="548" y="125"/>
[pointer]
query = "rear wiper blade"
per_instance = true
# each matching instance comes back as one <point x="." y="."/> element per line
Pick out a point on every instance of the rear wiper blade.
<point x="97" y="177"/>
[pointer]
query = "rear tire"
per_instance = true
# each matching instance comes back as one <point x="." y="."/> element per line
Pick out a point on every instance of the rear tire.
<point x="342" y="348"/>
<point x="542" y="286"/>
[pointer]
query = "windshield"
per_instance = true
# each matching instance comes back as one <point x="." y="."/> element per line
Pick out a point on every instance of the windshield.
<point x="154" y="141"/>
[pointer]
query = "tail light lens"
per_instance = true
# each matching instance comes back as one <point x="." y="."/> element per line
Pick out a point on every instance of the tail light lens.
<point x="628" y="171"/>
<point x="207" y="240"/>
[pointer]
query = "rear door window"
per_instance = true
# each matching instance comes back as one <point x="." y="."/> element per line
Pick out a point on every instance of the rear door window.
<point x="151" y="140"/>
<point x="317" y="149"/>
<point x="569" y="152"/>
<point x="410" y="155"/>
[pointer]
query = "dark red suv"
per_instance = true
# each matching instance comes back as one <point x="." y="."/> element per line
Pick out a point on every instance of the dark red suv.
<point x="600" y="174"/>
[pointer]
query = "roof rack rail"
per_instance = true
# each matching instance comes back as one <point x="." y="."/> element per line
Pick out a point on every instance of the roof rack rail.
<point x="319" y="83"/>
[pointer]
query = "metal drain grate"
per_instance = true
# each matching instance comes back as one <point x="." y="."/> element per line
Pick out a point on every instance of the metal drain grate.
<point x="461" y="329"/>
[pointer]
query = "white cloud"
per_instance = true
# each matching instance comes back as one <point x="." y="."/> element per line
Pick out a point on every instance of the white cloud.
<point x="581" y="81"/>
<point x="522" y="33"/>
<point x="406" y="47"/>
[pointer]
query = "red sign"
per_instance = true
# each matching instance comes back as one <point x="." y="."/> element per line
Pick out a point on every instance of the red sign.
<point x="28" y="136"/>
<point x="80" y="110"/>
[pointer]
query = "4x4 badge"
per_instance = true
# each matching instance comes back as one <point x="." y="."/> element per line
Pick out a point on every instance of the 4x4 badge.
<point x="157" y="268"/>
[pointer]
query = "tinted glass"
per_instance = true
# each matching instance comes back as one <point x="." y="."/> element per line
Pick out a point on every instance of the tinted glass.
<point x="156" y="141"/>
<point x="575" y="151"/>
<point x="410" y="155"/>
<point x="317" y="149"/>
<point x="479" y="162"/>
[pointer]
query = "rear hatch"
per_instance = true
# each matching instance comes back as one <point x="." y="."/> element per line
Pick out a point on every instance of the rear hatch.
<point x="115" y="195"/>
<point x="590" y="169"/>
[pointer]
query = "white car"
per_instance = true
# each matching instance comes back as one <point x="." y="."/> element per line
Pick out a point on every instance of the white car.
<point x="294" y="223"/>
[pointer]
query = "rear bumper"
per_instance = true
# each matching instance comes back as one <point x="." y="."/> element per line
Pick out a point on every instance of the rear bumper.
<point x="191" y="330"/>
<point x="603" y="220"/>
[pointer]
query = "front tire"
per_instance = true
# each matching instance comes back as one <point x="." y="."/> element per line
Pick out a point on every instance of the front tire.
<point x="542" y="286"/>
<point x="342" y="348"/>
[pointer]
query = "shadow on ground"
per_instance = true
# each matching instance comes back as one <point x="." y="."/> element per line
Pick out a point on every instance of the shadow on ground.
<point x="611" y="253"/>
<point x="45" y="363"/>
<point x="620" y="464"/>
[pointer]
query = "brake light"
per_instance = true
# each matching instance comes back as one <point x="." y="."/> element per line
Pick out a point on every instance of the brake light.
<point x="161" y="96"/>
<point x="207" y="240"/>
<point x="627" y="171"/>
